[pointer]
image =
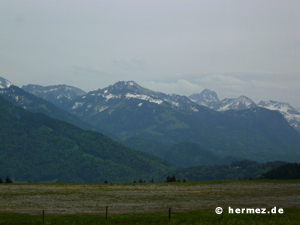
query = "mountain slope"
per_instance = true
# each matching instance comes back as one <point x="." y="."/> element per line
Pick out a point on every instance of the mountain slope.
<point x="272" y="132"/>
<point x="239" y="103"/>
<point x="30" y="102"/>
<point x="56" y="94"/>
<point x="129" y="103"/>
<point x="210" y="99"/>
<point x="37" y="147"/>
<point x="21" y="98"/>
<point x="185" y="154"/>
<point x="291" y="114"/>
<point x="206" y="98"/>
<point x="4" y="83"/>
<point x="129" y="110"/>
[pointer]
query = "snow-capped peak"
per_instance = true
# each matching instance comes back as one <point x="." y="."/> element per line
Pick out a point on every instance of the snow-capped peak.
<point x="128" y="84"/>
<point x="124" y="92"/>
<point x="4" y="83"/>
<point x="210" y="96"/>
<point x="282" y="107"/>
<point x="239" y="103"/>
<point x="206" y="97"/>
<point x="57" y="91"/>
<point x="291" y="114"/>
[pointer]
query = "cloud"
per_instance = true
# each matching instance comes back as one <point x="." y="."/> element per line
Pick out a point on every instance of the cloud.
<point x="269" y="85"/>
<point x="19" y="19"/>
<point x="88" y="70"/>
<point x="223" y="81"/>
<point x="181" y="86"/>
<point x="132" y="64"/>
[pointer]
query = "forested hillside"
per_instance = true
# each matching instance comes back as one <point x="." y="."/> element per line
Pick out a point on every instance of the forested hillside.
<point x="284" y="172"/>
<point x="238" y="170"/>
<point x="39" y="148"/>
<point x="30" y="102"/>
<point x="185" y="154"/>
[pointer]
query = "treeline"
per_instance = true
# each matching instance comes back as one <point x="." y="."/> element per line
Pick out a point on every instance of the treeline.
<point x="173" y="179"/>
<point x="7" y="180"/>
<point x="238" y="170"/>
<point x="287" y="171"/>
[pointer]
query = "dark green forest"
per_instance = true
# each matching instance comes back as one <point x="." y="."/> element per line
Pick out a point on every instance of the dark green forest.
<point x="238" y="170"/>
<point x="184" y="154"/>
<point x="284" y="172"/>
<point x="36" y="147"/>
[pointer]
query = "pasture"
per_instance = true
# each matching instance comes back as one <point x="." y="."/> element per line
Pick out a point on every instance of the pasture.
<point x="149" y="203"/>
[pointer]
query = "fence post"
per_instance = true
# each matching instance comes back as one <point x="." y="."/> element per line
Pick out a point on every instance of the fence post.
<point x="106" y="211"/>
<point x="169" y="213"/>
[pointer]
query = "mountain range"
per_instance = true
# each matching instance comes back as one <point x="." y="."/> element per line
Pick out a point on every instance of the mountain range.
<point x="165" y="131"/>
<point x="128" y="110"/>
<point x="57" y="94"/>
<point x="60" y="95"/>
<point x="210" y="99"/>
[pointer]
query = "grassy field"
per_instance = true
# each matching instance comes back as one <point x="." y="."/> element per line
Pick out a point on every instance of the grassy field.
<point x="148" y="203"/>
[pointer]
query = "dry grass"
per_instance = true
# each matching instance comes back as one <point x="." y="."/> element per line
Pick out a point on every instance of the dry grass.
<point x="150" y="197"/>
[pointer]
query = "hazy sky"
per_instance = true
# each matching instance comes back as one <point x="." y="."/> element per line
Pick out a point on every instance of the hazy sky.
<point x="231" y="47"/>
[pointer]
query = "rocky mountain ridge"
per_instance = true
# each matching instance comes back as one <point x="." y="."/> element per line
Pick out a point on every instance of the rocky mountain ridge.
<point x="210" y="99"/>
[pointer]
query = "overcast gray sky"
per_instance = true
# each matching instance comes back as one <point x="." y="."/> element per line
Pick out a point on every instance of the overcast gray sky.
<point x="231" y="47"/>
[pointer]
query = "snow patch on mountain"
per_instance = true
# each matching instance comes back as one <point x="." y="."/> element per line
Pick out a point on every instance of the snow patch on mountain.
<point x="145" y="98"/>
<point x="282" y="107"/>
<point x="103" y="108"/>
<point x="110" y="96"/>
<point x="194" y="109"/>
<point x="174" y="103"/>
<point x="239" y="103"/>
<point x="4" y="83"/>
<point x="291" y="114"/>
<point x="77" y="104"/>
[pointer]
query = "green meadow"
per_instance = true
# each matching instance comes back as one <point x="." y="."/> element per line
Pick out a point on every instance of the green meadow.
<point x="291" y="216"/>
<point x="149" y="203"/>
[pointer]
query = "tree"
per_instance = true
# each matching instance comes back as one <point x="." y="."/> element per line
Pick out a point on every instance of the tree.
<point x="105" y="182"/>
<point x="140" y="180"/>
<point x="1" y="181"/>
<point x="8" y="180"/>
<point x="152" y="180"/>
<point x="171" y="179"/>
<point x="184" y="180"/>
